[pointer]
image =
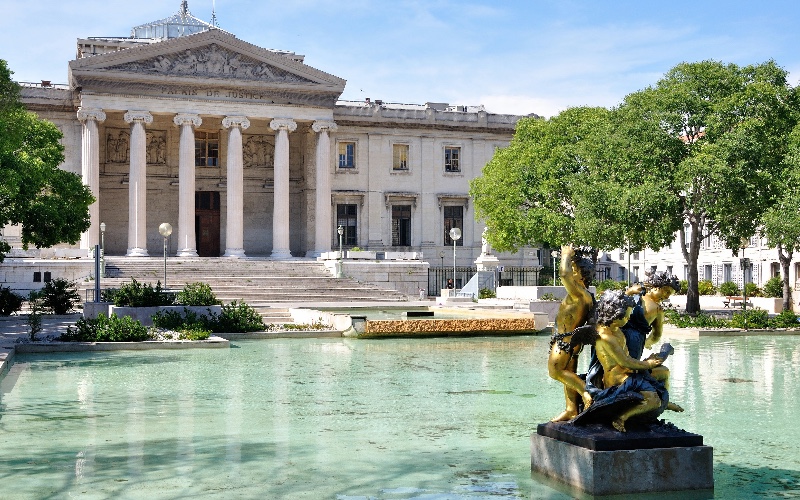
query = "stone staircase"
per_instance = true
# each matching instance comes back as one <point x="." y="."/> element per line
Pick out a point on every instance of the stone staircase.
<point x="264" y="284"/>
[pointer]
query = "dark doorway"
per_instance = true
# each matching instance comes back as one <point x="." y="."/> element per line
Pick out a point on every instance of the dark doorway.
<point x="206" y="223"/>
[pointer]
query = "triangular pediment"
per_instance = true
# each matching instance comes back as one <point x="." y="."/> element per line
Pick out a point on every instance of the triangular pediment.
<point x="208" y="56"/>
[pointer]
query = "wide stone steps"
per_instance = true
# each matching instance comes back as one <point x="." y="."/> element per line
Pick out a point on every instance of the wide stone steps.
<point x="260" y="283"/>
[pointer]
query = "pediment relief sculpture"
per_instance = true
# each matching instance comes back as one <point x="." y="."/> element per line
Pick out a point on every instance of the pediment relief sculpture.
<point x="212" y="61"/>
<point x="258" y="151"/>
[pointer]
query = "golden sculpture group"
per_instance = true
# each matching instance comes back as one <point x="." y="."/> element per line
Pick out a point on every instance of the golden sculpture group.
<point x="616" y="372"/>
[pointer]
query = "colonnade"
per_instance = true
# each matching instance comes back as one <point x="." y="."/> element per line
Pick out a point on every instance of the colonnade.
<point x="234" y="231"/>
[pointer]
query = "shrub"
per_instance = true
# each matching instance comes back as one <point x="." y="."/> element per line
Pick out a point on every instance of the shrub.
<point x="194" y="332"/>
<point x="728" y="288"/>
<point x="135" y="294"/>
<point x="609" y="284"/>
<point x="486" y="293"/>
<point x="108" y="294"/>
<point x="773" y="287"/>
<point x="236" y="317"/>
<point x="548" y="296"/>
<point x="751" y="318"/>
<point x="197" y="294"/>
<point x="786" y="319"/>
<point x="706" y="287"/>
<point x="701" y="320"/>
<point x="752" y="290"/>
<point x="59" y="296"/>
<point x="107" y="329"/>
<point x="10" y="302"/>
<point x="684" y="287"/>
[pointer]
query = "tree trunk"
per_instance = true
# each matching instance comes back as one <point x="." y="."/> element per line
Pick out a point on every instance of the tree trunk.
<point x="785" y="260"/>
<point x="692" y="293"/>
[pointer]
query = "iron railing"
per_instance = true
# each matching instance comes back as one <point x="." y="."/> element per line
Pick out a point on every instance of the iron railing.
<point x="509" y="276"/>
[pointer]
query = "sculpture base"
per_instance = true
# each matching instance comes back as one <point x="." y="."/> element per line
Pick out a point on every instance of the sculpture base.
<point x="622" y="469"/>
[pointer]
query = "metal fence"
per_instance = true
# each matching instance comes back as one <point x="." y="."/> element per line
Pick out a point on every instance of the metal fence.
<point x="509" y="276"/>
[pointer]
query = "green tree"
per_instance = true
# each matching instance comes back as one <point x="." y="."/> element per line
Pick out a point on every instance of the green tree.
<point x="50" y="204"/>
<point x="781" y="223"/>
<point x="557" y="182"/>
<point x="717" y="134"/>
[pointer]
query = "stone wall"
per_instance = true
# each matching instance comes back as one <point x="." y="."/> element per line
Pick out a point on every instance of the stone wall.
<point x="18" y="274"/>
<point x="405" y="276"/>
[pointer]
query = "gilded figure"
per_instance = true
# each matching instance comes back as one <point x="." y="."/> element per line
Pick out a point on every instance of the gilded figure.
<point x="576" y="310"/>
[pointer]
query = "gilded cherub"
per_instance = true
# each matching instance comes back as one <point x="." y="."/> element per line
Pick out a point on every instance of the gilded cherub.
<point x="576" y="310"/>
<point x="623" y="373"/>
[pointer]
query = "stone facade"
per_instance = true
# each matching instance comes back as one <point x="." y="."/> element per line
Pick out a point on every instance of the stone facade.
<point x="249" y="152"/>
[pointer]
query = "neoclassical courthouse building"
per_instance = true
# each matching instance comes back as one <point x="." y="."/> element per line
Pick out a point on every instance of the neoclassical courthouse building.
<point x="248" y="151"/>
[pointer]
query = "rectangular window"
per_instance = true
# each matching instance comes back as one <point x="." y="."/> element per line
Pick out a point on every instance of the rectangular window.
<point x="635" y="273"/>
<point x="401" y="225"/>
<point x="347" y="155"/>
<point x="453" y="217"/>
<point x="708" y="272"/>
<point x="727" y="272"/>
<point x="206" y="149"/>
<point x="620" y="274"/>
<point x="452" y="159"/>
<point x="347" y="218"/>
<point x="635" y="255"/>
<point x="400" y="157"/>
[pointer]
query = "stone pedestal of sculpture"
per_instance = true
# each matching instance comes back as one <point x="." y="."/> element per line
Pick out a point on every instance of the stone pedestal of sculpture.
<point x="599" y="460"/>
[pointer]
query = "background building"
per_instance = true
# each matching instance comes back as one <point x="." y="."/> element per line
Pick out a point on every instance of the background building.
<point x="248" y="151"/>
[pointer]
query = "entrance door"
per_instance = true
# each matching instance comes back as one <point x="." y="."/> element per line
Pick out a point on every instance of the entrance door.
<point x="206" y="223"/>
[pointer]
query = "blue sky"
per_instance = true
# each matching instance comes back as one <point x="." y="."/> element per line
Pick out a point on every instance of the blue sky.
<point x="513" y="56"/>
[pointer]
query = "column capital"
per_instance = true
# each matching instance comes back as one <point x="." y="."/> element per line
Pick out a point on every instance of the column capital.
<point x="321" y="125"/>
<point x="96" y="114"/>
<point x="187" y="119"/>
<point x="283" y="124"/>
<point x="236" y="121"/>
<point x="138" y="116"/>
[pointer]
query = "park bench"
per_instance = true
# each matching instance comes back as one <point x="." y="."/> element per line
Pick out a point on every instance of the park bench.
<point x="731" y="300"/>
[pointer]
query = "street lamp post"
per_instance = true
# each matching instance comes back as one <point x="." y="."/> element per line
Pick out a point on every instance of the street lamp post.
<point x="103" y="249"/>
<point x="455" y="235"/>
<point x="339" y="272"/>
<point x="555" y="255"/>
<point x="165" y="229"/>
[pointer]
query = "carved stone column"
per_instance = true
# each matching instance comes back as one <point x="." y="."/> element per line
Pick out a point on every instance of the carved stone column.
<point x="187" y="239"/>
<point x="137" y="187"/>
<point x="90" y="169"/>
<point x="280" y="214"/>
<point x="322" y="224"/>
<point x="234" y="227"/>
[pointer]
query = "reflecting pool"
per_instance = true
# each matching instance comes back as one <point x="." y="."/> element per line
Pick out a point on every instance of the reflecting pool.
<point x="439" y="418"/>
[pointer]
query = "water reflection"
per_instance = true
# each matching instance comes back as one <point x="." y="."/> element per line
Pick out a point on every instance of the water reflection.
<point x="431" y="418"/>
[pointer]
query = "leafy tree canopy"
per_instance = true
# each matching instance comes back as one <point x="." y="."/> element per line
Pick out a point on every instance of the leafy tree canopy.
<point x="50" y="204"/>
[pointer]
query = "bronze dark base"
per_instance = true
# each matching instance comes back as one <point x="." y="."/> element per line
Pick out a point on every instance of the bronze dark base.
<point x="599" y="437"/>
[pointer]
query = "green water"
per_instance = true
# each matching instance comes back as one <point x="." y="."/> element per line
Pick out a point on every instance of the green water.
<point x="357" y="419"/>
